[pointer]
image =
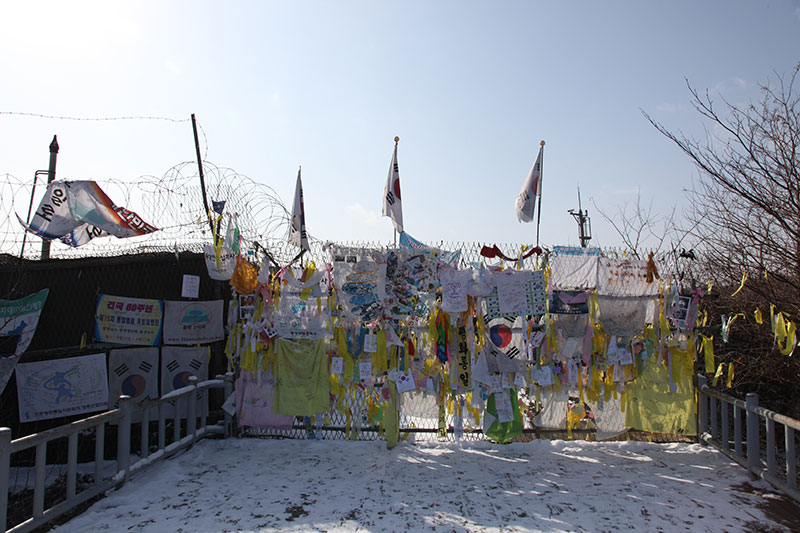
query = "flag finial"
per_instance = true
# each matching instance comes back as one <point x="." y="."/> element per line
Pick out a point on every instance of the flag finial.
<point x="396" y="140"/>
<point x="541" y="143"/>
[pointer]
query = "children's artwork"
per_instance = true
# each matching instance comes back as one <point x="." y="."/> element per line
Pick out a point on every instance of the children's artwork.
<point x="62" y="387"/>
<point x="450" y="258"/>
<point x="516" y="293"/>
<point x="410" y="282"/>
<point x="359" y="275"/>
<point x="455" y="287"/>
<point x="505" y="344"/>
<point x="302" y="312"/>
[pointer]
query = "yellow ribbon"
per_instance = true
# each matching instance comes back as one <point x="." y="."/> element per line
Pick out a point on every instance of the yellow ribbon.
<point x="741" y="285"/>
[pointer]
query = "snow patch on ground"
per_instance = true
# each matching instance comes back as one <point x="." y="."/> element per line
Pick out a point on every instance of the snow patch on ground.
<point x="333" y="486"/>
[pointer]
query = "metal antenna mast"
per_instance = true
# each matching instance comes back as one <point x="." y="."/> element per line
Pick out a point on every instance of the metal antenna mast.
<point x="584" y="223"/>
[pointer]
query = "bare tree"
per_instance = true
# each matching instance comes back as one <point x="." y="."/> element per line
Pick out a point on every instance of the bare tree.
<point x="641" y="227"/>
<point x="745" y="206"/>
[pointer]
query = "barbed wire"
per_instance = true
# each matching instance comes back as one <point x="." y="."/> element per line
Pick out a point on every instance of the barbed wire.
<point x="111" y="119"/>
<point x="173" y="203"/>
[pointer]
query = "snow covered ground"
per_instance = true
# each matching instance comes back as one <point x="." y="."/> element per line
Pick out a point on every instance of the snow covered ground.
<point x="301" y="485"/>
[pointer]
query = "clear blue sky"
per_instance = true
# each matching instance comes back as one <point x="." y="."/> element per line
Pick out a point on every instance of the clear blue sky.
<point x="469" y="87"/>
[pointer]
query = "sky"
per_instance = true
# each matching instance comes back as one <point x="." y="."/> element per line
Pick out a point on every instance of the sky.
<point x="471" y="88"/>
<point x="302" y="485"/>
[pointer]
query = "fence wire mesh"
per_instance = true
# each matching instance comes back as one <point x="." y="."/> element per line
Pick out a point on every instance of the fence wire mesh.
<point x="174" y="202"/>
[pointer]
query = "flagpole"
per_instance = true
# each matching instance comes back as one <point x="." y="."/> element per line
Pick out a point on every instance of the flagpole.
<point x="541" y="172"/>
<point x="396" y="142"/>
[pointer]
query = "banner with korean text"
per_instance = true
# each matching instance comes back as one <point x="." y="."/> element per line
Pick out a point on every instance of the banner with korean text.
<point x="62" y="387"/>
<point x="18" y="321"/>
<point x="124" y="320"/>
<point x="193" y="322"/>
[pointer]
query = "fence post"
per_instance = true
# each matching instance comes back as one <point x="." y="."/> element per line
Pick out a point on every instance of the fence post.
<point x="5" y="462"/>
<point x="191" y="414"/>
<point x="702" y="411"/>
<point x="752" y="421"/>
<point x="228" y="390"/>
<point x="791" y="458"/>
<point x="124" y="436"/>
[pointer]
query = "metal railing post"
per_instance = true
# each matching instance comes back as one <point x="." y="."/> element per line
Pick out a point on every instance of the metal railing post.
<point x="791" y="458"/>
<point x="725" y="436"/>
<point x="737" y="430"/>
<point x="5" y="463"/>
<point x="228" y="391"/>
<point x="752" y="422"/>
<point x="191" y="414"/>
<point x="772" y="464"/>
<point x="702" y="411"/>
<point x="124" y="436"/>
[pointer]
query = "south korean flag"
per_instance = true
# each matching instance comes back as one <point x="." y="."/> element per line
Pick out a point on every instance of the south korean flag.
<point x="134" y="373"/>
<point x="178" y="364"/>
<point x="505" y="344"/>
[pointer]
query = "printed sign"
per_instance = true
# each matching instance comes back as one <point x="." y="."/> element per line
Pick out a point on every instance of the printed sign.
<point x="124" y="320"/>
<point x="62" y="387"/>
<point x="193" y="322"/>
<point x="18" y="321"/>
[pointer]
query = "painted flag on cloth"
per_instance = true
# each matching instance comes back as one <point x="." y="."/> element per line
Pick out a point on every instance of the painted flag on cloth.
<point x="178" y="364"/>
<point x="78" y="211"/>
<point x="392" y="203"/>
<point x="531" y="189"/>
<point x="134" y="373"/>
<point x="297" y="230"/>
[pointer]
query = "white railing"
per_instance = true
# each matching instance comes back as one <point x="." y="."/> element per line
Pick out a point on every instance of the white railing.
<point x="189" y="403"/>
<point x="720" y="420"/>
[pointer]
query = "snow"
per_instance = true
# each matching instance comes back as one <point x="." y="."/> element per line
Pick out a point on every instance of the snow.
<point x="306" y="485"/>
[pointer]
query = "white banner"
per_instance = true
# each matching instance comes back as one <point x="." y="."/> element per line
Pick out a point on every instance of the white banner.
<point x="62" y="387"/>
<point x="78" y="211"/>
<point x="193" y="322"/>
<point x="222" y="269"/>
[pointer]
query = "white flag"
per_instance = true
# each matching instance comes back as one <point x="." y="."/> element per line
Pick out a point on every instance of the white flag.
<point x="526" y="200"/>
<point x="392" y="205"/>
<point x="297" y="231"/>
